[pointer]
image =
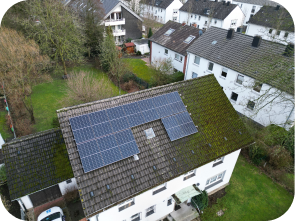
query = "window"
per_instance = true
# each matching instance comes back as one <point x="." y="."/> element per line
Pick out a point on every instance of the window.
<point x="169" y="202"/>
<point x="189" y="39"/>
<point x="178" y="57"/>
<point x="210" y="66"/>
<point x="166" y="51"/>
<point x="240" y="79"/>
<point x="214" y="180"/>
<point x="215" y="22"/>
<point x="241" y="5"/>
<point x="189" y="175"/>
<point x="251" y="15"/>
<point x="69" y="181"/>
<point x="194" y="75"/>
<point x="174" y="18"/>
<point x="135" y="217"/>
<point x="160" y="189"/>
<point x="197" y="60"/>
<point x="149" y="133"/>
<point x="234" y="22"/>
<point x="156" y="12"/>
<point x="218" y="161"/>
<point x="126" y="204"/>
<point x="199" y="18"/>
<point x="150" y="211"/>
<point x="167" y="33"/>
<point x="174" y="11"/>
<point x="224" y="72"/>
<point x="257" y="87"/>
<point x="191" y="16"/>
<point x="234" y="96"/>
<point x="270" y="31"/>
<point x="205" y="22"/>
<point x="195" y="16"/>
<point x="251" y="105"/>
<point x="253" y="9"/>
<point x="161" y="10"/>
<point x="286" y="34"/>
<point x="278" y="33"/>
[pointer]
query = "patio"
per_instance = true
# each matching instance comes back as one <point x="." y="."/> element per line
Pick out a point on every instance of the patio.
<point x="185" y="213"/>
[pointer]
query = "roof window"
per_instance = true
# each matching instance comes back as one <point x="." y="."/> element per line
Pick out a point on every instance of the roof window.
<point x="174" y="159"/>
<point x="154" y="167"/>
<point x="169" y="32"/>
<point x="132" y="177"/>
<point x="189" y="39"/>
<point x="149" y="133"/>
<point x="192" y="152"/>
<point x="91" y="194"/>
<point x="214" y="42"/>
<point x="108" y="187"/>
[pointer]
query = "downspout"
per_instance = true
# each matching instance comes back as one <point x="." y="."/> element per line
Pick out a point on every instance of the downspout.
<point x="288" y="117"/>
<point x="186" y="65"/>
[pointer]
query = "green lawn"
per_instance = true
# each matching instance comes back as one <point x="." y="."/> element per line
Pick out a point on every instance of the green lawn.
<point x="139" y="68"/>
<point x="4" y="130"/>
<point x="47" y="97"/>
<point x="250" y="196"/>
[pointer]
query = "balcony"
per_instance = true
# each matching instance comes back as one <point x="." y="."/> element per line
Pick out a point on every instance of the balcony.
<point x="112" y="22"/>
<point x="119" y="32"/>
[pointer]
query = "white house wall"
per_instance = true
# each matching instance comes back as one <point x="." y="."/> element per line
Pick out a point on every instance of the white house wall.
<point x="27" y="202"/>
<point x="176" y="4"/>
<point x="158" y="54"/>
<point x="159" y="13"/>
<point x="236" y="14"/>
<point x="254" y="29"/>
<point x="247" y="8"/>
<point x="147" y="199"/>
<point x="275" y="114"/>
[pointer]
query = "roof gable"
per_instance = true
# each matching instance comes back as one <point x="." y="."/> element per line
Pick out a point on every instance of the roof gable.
<point x="210" y="110"/>
<point x="258" y="2"/>
<point x="158" y="3"/>
<point x="175" y="41"/>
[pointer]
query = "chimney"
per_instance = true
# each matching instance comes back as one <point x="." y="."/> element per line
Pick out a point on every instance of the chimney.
<point x="216" y="0"/>
<point x="223" y="2"/>
<point x="228" y="3"/>
<point x="289" y="51"/>
<point x="183" y="24"/>
<point x="278" y="7"/>
<point x="230" y="33"/>
<point x="256" y="41"/>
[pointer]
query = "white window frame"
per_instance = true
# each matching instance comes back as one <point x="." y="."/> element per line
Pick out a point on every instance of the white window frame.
<point x="250" y="108"/>
<point x="225" y="70"/>
<point x="192" y="38"/>
<point x="232" y="100"/>
<point x="215" y="178"/>
<point x="239" y="75"/>
<point x="233" y="22"/>
<point x="165" y="51"/>
<point x="171" y="201"/>
<point x="149" y="209"/>
<point x="189" y="174"/>
<point x="136" y="216"/>
<point x="175" y="11"/>
<point x="257" y="86"/>
<point x="125" y="203"/>
<point x="209" y="65"/>
<point x="253" y="8"/>
<point x="162" y="186"/>
<point x="178" y="57"/>
<point x="199" y="18"/>
<point x="195" y="60"/>
<point x="195" y="74"/>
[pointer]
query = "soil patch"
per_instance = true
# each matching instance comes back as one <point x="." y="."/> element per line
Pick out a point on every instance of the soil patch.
<point x="15" y="208"/>
<point x="213" y="198"/>
<point x="76" y="210"/>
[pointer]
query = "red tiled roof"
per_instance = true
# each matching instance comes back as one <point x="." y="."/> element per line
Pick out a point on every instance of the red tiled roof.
<point x="131" y="44"/>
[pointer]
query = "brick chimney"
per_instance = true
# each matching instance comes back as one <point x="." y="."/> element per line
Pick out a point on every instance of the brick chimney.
<point x="230" y="33"/>
<point x="228" y="3"/>
<point x="256" y="41"/>
<point x="278" y="7"/>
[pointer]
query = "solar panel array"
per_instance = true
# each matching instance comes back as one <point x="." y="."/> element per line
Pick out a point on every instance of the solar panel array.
<point x="104" y="137"/>
<point x="179" y="125"/>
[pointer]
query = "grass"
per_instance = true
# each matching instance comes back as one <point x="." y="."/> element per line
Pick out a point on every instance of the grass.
<point x="140" y="69"/>
<point x="250" y="196"/>
<point x="47" y="97"/>
<point x="4" y="130"/>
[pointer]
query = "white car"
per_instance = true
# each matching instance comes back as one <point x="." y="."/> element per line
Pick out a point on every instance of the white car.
<point x="54" y="213"/>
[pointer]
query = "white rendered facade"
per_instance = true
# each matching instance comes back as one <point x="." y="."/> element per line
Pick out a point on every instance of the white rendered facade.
<point x="63" y="186"/>
<point x="146" y="200"/>
<point x="248" y="9"/>
<point x="233" y="20"/>
<point x="160" y="53"/>
<point x="271" y="34"/>
<point x="160" y="14"/>
<point x="277" y="114"/>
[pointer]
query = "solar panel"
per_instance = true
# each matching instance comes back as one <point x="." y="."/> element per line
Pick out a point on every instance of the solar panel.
<point x="104" y="137"/>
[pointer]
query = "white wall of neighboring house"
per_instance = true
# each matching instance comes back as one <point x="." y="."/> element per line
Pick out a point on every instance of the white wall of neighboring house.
<point x="175" y="5"/>
<point x="147" y="199"/>
<point x="158" y="55"/>
<point x="254" y="29"/>
<point x="63" y="186"/>
<point x="271" y="114"/>
<point x="202" y="21"/>
<point x="247" y="9"/>
<point x="1" y="141"/>
<point x="143" y="48"/>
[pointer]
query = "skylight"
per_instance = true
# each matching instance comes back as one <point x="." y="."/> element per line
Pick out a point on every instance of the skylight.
<point x="149" y="133"/>
<point x="169" y="32"/>
<point x="189" y="39"/>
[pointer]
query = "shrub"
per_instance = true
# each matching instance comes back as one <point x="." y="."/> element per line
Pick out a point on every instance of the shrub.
<point x="273" y="135"/>
<point x="257" y="152"/>
<point x="71" y="194"/>
<point x="201" y="200"/>
<point x="128" y="76"/>
<point x="129" y="40"/>
<point x="55" y="122"/>
<point x="3" y="178"/>
<point x="138" y="53"/>
<point x="279" y="157"/>
<point x="288" y="142"/>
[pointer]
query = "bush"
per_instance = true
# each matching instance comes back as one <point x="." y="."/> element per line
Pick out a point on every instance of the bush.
<point x="177" y="76"/>
<point x="279" y="157"/>
<point x="201" y="200"/>
<point x="273" y="135"/>
<point x="55" y="122"/>
<point x="128" y="77"/>
<point x="288" y="142"/>
<point x="129" y="40"/>
<point x="257" y="152"/>
<point x="3" y="178"/>
<point x="71" y="194"/>
<point x="138" y="53"/>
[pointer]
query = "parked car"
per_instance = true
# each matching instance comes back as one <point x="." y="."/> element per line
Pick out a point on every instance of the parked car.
<point x="54" y="213"/>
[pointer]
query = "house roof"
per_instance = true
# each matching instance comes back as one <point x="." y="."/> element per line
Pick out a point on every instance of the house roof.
<point x="175" y="41"/>
<point x="258" y="2"/>
<point x="238" y="54"/>
<point x="268" y="16"/>
<point x="35" y="162"/>
<point x="130" y="44"/>
<point x="210" y="110"/>
<point x="141" y="41"/>
<point x="158" y="3"/>
<point x="220" y="11"/>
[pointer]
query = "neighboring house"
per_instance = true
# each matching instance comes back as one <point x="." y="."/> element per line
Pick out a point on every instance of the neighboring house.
<point x="273" y="24"/>
<point x="161" y="10"/>
<point x="37" y="168"/>
<point x="251" y="7"/>
<point x="124" y="22"/>
<point x="247" y="67"/>
<point x="155" y="125"/>
<point x="171" y="42"/>
<point x="142" y="45"/>
<point x="204" y="14"/>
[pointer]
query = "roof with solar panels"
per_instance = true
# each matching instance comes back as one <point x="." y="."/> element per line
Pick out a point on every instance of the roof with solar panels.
<point x="121" y="146"/>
